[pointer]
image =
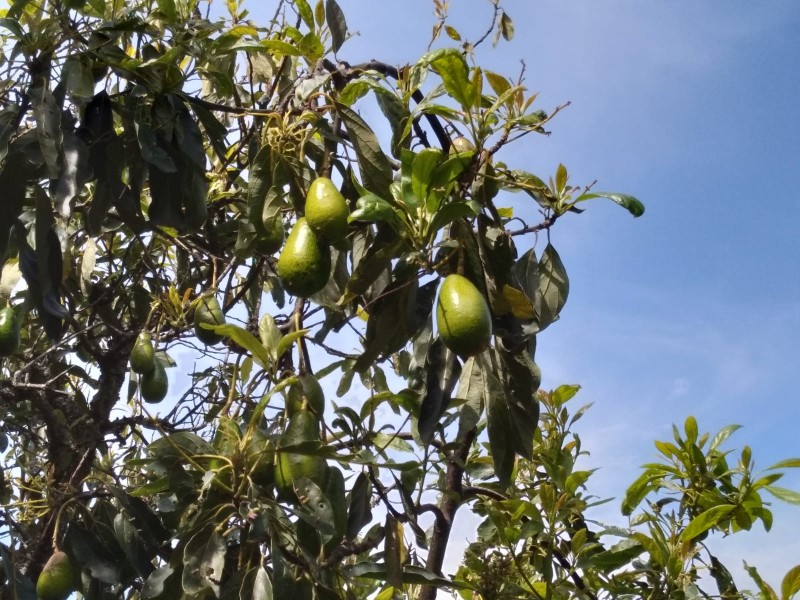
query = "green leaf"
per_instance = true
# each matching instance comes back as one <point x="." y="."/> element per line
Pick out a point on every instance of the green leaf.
<point x="93" y="554"/>
<point x="24" y="588"/>
<point x="637" y="491"/>
<point x="551" y="295"/>
<point x="289" y="339"/>
<point x="203" y="561"/>
<point x="706" y="520"/>
<point x="451" y="66"/>
<point x="245" y="339"/>
<point x="506" y="27"/>
<point x="48" y="124"/>
<point x="499" y="425"/>
<point x="789" y="463"/>
<point x="411" y="575"/>
<point x="373" y="209"/>
<point x="723" y="435"/>
<point x="470" y="389"/>
<point x="629" y="203"/>
<point x="442" y="371"/>
<point x="376" y="170"/>
<point x="359" y="513"/>
<point x="336" y="23"/>
<point x="422" y="169"/>
<point x="131" y="543"/>
<point x="791" y="583"/>
<point x="690" y="426"/>
<point x="615" y="557"/>
<point x="784" y="494"/>
<point x="763" y="587"/>
<point x="305" y="12"/>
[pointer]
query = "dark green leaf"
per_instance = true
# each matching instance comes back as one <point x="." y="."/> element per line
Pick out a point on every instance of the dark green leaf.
<point x="131" y="544"/>
<point x="629" y="203"/>
<point x="359" y="513"/>
<point x="442" y="371"/>
<point x="553" y="287"/>
<point x="203" y="561"/>
<point x="336" y="23"/>
<point x="25" y="590"/>
<point x="90" y="551"/>
<point x="376" y="170"/>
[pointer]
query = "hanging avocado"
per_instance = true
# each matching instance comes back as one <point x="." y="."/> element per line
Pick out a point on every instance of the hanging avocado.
<point x="154" y="385"/>
<point x="143" y="355"/>
<point x="303" y="427"/>
<point x="208" y="312"/>
<point x="56" y="581"/>
<point x="304" y="265"/>
<point x="463" y="317"/>
<point x="326" y="210"/>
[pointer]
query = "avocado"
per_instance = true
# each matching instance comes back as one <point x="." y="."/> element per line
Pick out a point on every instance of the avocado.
<point x="463" y="317"/>
<point x="304" y="265"/>
<point x="260" y="453"/>
<point x="9" y="331"/>
<point x="143" y="355"/>
<point x="302" y="428"/>
<point x="56" y="581"/>
<point x="326" y="210"/>
<point x="154" y="385"/>
<point x="208" y="311"/>
<point x="307" y="393"/>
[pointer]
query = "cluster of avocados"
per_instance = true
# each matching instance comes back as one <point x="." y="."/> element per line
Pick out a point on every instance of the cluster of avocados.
<point x="304" y="265"/>
<point x="153" y="381"/>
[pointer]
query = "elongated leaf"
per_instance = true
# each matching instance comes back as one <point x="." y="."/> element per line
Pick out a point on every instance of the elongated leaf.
<point x="471" y="389"/>
<point x="334" y="16"/>
<point x="48" y="124"/>
<point x="359" y="513"/>
<point x="376" y="170"/>
<point x="763" y="587"/>
<point x="791" y="583"/>
<point x="132" y="545"/>
<point x="245" y="339"/>
<point x="790" y="463"/>
<point x="411" y="575"/>
<point x="629" y="203"/>
<point x="203" y="561"/>
<point x="723" y="435"/>
<point x="442" y="372"/>
<point x="74" y="173"/>
<point x="706" y="520"/>
<point x="784" y="494"/>
<point x="553" y="287"/>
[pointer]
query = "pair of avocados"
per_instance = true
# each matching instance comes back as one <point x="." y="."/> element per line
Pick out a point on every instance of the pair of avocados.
<point x="153" y="381"/>
<point x="304" y="265"/>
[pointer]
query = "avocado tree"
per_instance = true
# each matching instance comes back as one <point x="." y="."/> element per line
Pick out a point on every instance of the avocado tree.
<point x="206" y="246"/>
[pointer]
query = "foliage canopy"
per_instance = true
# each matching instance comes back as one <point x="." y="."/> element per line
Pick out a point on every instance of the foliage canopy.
<point x="154" y="159"/>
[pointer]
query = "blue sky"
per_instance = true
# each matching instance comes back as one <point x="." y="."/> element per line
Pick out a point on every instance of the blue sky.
<point x="694" y="308"/>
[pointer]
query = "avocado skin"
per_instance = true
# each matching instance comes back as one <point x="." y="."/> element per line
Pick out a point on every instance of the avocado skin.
<point x="326" y="210"/>
<point x="463" y="317"/>
<point x="154" y="385"/>
<point x="290" y="466"/>
<point x="9" y="331"/>
<point x="304" y="265"/>
<point x="208" y="311"/>
<point x="143" y="355"/>
<point x="56" y="581"/>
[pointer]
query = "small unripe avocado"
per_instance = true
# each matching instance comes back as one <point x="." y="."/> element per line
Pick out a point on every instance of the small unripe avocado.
<point x="461" y="144"/>
<point x="154" y="385"/>
<point x="143" y="355"/>
<point x="326" y="210"/>
<point x="304" y="265"/>
<point x="9" y="331"/>
<point x="56" y="580"/>
<point x="208" y="311"/>
<point x="463" y="317"/>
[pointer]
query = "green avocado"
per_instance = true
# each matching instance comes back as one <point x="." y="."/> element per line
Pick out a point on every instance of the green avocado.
<point x="463" y="317"/>
<point x="290" y="466"/>
<point x="56" y="581"/>
<point x="326" y="210"/>
<point x="154" y="385"/>
<point x="208" y="311"/>
<point x="306" y="394"/>
<point x="9" y="331"/>
<point x="143" y="355"/>
<point x="260" y="453"/>
<point x="304" y="265"/>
